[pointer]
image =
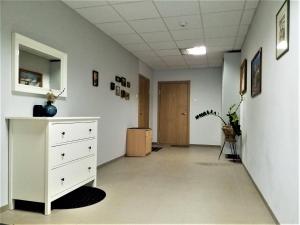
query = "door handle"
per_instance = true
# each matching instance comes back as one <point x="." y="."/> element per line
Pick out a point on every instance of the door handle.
<point x="184" y="113"/>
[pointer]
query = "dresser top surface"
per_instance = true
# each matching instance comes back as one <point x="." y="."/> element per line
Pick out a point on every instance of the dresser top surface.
<point x="53" y="118"/>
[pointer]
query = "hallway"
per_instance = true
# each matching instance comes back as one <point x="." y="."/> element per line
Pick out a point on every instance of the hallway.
<point x="174" y="185"/>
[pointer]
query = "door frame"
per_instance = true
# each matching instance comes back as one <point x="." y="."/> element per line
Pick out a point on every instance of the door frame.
<point x="146" y="78"/>
<point x="188" y="82"/>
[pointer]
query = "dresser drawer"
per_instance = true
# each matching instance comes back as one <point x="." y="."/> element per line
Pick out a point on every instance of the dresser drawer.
<point x="61" y="154"/>
<point x="64" y="177"/>
<point x="65" y="132"/>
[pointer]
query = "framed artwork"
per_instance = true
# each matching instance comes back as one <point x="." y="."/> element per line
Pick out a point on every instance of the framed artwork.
<point x="243" y="77"/>
<point x="95" y="78"/>
<point x="127" y="96"/>
<point x="256" y="73"/>
<point x="282" y="29"/>
<point x="123" y="94"/>
<point x="31" y="78"/>
<point x="118" y="79"/>
<point x="128" y="84"/>
<point x="112" y="86"/>
<point x="123" y="81"/>
<point x="118" y="92"/>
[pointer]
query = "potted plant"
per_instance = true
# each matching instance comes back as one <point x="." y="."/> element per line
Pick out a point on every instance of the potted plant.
<point x="231" y="129"/>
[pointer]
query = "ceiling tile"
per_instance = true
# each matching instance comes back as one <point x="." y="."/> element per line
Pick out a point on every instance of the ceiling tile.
<point x="221" y="6"/>
<point x="122" y="2"/>
<point x="137" y="10"/>
<point x="239" y="43"/>
<point x="215" y="57"/>
<point x="177" y="8"/>
<point x="251" y="4"/>
<point x="195" y="60"/>
<point x="137" y="47"/>
<point x="192" y="22"/>
<point x="189" y="43"/>
<point x="221" y="42"/>
<point x="75" y="4"/>
<point x="156" y="36"/>
<point x="100" y="14"/>
<point x="218" y="32"/>
<point x="247" y="16"/>
<point x="128" y="39"/>
<point x="115" y="28"/>
<point x="148" y="25"/>
<point x="174" y="60"/>
<point x="189" y="34"/>
<point x="243" y="30"/>
<point x="162" y="45"/>
<point x="222" y="19"/>
<point x="217" y="49"/>
<point x="168" y="52"/>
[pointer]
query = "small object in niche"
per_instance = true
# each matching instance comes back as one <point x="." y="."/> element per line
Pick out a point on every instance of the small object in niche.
<point x="118" y="92"/>
<point x="95" y="78"/>
<point x="122" y="94"/>
<point x="38" y="111"/>
<point x="123" y="81"/>
<point x="128" y="84"/>
<point x="256" y="74"/>
<point x="127" y="96"/>
<point x="282" y="29"/>
<point x="118" y="79"/>
<point x="49" y="109"/>
<point x="30" y="78"/>
<point x="112" y="86"/>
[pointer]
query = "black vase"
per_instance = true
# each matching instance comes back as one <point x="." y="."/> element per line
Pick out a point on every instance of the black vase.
<point x="38" y="111"/>
<point x="50" y="110"/>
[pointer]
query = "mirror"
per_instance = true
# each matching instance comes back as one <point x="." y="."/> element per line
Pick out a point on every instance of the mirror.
<point x="38" y="67"/>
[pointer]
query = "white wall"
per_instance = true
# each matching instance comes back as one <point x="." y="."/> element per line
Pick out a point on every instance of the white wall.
<point x="55" y="24"/>
<point x="270" y="120"/>
<point x="206" y="92"/>
<point x="3" y="158"/>
<point x="230" y="87"/>
<point x="146" y="71"/>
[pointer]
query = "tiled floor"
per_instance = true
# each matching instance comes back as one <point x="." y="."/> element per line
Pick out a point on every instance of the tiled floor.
<point x="174" y="185"/>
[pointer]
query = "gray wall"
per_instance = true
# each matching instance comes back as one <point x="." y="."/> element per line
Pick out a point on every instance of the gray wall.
<point x="271" y="120"/>
<point x="205" y="93"/>
<point x="53" y="23"/>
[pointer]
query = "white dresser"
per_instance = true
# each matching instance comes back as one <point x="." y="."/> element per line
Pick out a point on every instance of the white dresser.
<point x="50" y="157"/>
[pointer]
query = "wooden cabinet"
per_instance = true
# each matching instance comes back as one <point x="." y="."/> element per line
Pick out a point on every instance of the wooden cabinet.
<point x="50" y="157"/>
<point x="139" y="142"/>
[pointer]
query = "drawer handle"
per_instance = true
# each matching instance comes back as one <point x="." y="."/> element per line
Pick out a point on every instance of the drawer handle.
<point x="62" y="181"/>
<point x="89" y="168"/>
<point x="63" y="133"/>
<point x="62" y="154"/>
<point x="90" y="147"/>
<point x="90" y="130"/>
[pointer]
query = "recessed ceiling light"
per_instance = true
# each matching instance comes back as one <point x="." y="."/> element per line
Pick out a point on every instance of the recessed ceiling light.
<point x="198" y="50"/>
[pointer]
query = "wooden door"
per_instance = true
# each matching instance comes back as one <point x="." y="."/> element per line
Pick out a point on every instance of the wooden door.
<point x="144" y="85"/>
<point x="173" y="112"/>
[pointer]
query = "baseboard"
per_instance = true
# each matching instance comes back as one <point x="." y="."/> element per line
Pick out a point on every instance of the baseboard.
<point x="110" y="161"/>
<point x="4" y="208"/>
<point x="261" y="195"/>
<point x="213" y="146"/>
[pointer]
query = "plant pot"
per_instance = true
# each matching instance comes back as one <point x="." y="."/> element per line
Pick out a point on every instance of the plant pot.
<point x="229" y="133"/>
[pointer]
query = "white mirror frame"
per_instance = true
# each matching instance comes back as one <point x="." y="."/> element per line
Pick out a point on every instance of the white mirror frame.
<point x="17" y="40"/>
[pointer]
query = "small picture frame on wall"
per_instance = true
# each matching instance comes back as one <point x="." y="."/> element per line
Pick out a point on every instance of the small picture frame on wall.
<point x="243" y="77"/>
<point x="282" y="29"/>
<point x="118" y="79"/>
<point x="112" y="86"/>
<point x="127" y="96"/>
<point x="256" y="74"/>
<point x="123" y="94"/>
<point x="95" y="78"/>
<point x="128" y="84"/>
<point x="118" y="92"/>
<point x="123" y="81"/>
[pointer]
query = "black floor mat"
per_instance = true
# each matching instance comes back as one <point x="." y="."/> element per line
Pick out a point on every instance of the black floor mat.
<point x="81" y="197"/>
